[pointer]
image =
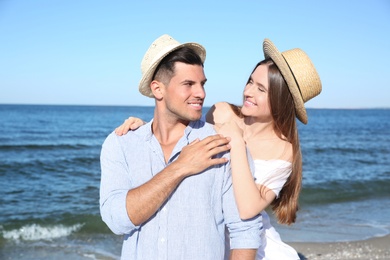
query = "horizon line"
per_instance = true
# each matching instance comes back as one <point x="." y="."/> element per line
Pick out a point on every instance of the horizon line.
<point x="138" y="105"/>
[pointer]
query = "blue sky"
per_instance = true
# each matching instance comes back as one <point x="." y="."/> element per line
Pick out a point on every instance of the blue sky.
<point x="89" y="52"/>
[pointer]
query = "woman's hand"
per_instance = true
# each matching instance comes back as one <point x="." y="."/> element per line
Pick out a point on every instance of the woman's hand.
<point x="131" y="123"/>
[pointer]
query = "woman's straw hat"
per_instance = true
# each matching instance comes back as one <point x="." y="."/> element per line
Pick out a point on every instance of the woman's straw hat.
<point x="299" y="73"/>
<point x="157" y="51"/>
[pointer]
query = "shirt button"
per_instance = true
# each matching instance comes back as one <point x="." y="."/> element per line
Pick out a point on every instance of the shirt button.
<point x="164" y="209"/>
<point x="162" y="240"/>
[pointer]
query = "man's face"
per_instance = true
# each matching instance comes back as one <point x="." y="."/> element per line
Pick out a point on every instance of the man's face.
<point x="185" y="94"/>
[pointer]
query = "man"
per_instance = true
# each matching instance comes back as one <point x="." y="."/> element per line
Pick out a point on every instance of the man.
<point x="166" y="186"/>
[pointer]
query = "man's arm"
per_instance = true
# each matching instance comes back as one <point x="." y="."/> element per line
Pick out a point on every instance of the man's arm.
<point x="142" y="202"/>
<point x="243" y="254"/>
<point x="245" y="235"/>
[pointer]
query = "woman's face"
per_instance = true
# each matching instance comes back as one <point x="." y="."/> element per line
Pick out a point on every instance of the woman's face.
<point x="256" y="102"/>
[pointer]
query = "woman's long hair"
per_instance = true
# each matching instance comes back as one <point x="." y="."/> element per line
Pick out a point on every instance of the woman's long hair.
<point x="285" y="125"/>
<point x="283" y="113"/>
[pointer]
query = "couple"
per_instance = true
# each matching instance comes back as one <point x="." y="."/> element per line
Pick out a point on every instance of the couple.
<point x="167" y="186"/>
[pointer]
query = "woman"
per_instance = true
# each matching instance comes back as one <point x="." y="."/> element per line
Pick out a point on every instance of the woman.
<point x="265" y="124"/>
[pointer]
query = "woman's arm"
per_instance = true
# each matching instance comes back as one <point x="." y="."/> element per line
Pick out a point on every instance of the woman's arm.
<point x="251" y="199"/>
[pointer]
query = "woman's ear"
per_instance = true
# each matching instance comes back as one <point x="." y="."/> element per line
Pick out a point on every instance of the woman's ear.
<point x="157" y="89"/>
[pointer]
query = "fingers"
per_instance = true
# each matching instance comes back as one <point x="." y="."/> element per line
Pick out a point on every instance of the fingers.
<point x="213" y="145"/>
<point x="216" y="161"/>
<point x="121" y="130"/>
<point x="216" y="143"/>
<point x="131" y="123"/>
<point x="135" y="122"/>
<point x="194" y="142"/>
<point x="201" y="154"/>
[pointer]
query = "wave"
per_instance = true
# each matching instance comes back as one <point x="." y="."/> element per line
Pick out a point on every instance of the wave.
<point x="331" y="151"/>
<point x="38" y="166"/>
<point x="34" y="232"/>
<point x="345" y="191"/>
<point x="53" y="226"/>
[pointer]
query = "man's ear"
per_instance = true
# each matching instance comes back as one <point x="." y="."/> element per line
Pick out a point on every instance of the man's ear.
<point x="157" y="89"/>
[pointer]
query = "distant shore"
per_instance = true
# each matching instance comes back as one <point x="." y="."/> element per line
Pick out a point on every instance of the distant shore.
<point x="374" y="248"/>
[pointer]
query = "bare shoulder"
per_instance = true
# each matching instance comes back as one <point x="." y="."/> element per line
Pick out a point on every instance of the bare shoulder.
<point x="271" y="149"/>
<point x="220" y="112"/>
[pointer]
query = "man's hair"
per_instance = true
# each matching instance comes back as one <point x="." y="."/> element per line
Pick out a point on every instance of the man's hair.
<point x="166" y="69"/>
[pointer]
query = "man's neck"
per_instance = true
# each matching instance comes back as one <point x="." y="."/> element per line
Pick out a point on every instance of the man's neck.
<point x="168" y="132"/>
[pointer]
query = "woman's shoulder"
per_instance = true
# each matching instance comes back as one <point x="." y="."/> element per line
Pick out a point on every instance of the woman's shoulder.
<point x="271" y="150"/>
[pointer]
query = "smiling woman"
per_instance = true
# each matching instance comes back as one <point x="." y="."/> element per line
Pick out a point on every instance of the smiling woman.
<point x="266" y="125"/>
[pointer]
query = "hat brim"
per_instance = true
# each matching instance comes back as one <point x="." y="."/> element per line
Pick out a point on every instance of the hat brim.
<point x="144" y="85"/>
<point x="270" y="51"/>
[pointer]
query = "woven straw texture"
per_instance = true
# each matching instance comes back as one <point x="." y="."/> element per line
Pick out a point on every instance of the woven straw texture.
<point x="299" y="73"/>
<point x="157" y="51"/>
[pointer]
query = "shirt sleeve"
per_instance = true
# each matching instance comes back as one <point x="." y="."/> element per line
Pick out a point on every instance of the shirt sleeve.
<point x="244" y="234"/>
<point x="114" y="185"/>
<point x="273" y="174"/>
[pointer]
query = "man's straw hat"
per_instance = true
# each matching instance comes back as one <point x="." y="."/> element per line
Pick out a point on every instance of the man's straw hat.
<point x="159" y="49"/>
<point x="299" y="73"/>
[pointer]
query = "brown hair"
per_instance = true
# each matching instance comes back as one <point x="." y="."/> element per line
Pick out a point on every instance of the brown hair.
<point x="283" y="113"/>
<point x="166" y="68"/>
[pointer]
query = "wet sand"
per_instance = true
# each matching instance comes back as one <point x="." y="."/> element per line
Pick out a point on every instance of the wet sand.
<point x="375" y="248"/>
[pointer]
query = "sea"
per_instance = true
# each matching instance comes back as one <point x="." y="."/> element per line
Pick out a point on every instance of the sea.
<point x="50" y="177"/>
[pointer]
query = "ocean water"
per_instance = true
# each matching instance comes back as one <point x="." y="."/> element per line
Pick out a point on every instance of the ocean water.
<point x="50" y="172"/>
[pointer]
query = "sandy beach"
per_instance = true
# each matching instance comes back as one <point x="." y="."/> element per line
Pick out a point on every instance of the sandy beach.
<point x="375" y="248"/>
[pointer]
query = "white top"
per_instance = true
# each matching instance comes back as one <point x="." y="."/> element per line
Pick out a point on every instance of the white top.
<point x="272" y="173"/>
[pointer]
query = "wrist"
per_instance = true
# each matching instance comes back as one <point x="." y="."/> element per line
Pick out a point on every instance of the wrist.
<point x="178" y="170"/>
<point x="237" y="142"/>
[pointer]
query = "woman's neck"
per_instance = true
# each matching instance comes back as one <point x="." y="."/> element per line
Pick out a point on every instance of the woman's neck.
<point x="258" y="130"/>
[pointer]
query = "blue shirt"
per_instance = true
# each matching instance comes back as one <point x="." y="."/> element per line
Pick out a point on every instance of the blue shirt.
<point x="191" y="223"/>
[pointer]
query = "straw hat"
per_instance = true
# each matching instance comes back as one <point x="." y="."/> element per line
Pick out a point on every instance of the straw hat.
<point x="299" y="73"/>
<point x="158" y="50"/>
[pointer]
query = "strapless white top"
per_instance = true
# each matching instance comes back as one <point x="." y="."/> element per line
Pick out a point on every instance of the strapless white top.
<point x="272" y="173"/>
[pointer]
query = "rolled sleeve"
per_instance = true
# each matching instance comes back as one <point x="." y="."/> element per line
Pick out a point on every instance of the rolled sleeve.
<point x="114" y="186"/>
<point x="244" y="234"/>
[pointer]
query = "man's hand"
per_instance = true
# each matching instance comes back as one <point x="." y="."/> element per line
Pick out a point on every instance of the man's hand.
<point x="199" y="155"/>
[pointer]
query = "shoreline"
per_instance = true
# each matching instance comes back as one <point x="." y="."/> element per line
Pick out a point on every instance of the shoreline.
<point x="109" y="247"/>
<point x="373" y="248"/>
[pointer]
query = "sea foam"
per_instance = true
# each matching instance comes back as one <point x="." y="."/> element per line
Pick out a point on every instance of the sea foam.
<point x="36" y="232"/>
